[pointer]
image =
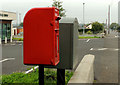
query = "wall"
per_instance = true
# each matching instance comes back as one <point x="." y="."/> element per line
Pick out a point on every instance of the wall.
<point x="11" y="15"/>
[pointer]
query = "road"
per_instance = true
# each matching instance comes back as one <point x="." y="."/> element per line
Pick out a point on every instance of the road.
<point x="106" y="57"/>
<point x="12" y="54"/>
<point x="105" y="51"/>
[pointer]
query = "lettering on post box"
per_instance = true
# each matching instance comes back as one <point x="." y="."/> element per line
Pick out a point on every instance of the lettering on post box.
<point x="41" y="36"/>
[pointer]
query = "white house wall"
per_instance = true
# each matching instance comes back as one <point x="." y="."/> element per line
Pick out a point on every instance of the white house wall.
<point x="11" y="15"/>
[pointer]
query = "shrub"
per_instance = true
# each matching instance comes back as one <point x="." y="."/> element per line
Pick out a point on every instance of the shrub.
<point x="89" y="32"/>
<point x="118" y="28"/>
<point x="97" y="27"/>
<point x="18" y="39"/>
<point x="50" y="77"/>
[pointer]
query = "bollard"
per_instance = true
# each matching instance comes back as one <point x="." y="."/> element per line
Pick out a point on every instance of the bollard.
<point x="103" y="35"/>
<point x="11" y="39"/>
<point x="5" y="40"/>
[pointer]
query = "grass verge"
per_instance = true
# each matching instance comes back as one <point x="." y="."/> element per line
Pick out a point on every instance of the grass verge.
<point x="18" y="39"/>
<point x="50" y="77"/>
<point x="87" y="37"/>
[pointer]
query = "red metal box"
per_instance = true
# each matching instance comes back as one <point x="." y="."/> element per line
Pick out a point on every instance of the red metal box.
<point x="41" y="36"/>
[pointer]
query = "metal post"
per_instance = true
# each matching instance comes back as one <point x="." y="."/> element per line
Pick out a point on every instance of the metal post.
<point x="41" y="74"/>
<point x="60" y="76"/>
<point x="5" y="40"/>
<point x="11" y="38"/>
<point x="109" y="20"/>
<point x="19" y="18"/>
<point x="83" y="19"/>
<point x="0" y="41"/>
<point x="106" y="28"/>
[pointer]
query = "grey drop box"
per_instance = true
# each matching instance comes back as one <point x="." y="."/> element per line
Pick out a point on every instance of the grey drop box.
<point x="68" y="43"/>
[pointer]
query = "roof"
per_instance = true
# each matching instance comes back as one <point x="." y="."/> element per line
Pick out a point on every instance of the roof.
<point x="68" y="20"/>
<point x="7" y="11"/>
<point x="19" y="27"/>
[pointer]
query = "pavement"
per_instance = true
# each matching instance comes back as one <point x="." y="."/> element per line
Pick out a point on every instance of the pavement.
<point x="104" y="49"/>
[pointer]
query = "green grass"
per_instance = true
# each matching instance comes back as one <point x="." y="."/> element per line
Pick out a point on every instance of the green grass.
<point x="95" y="81"/>
<point x="87" y="37"/>
<point x="50" y="77"/>
<point x="18" y="39"/>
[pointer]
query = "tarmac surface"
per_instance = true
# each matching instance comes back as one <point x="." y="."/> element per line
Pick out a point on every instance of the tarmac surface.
<point x="106" y="57"/>
<point x="104" y="49"/>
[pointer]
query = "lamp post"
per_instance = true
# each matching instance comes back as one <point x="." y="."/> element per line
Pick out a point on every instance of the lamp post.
<point x="109" y="20"/>
<point x="83" y="18"/>
<point x="19" y="18"/>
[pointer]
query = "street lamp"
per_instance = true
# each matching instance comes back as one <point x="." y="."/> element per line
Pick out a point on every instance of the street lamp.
<point x="19" y="18"/>
<point x="83" y="18"/>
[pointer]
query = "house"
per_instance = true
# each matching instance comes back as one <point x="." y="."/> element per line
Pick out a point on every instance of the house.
<point x="6" y="27"/>
<point x="89" y="26"/>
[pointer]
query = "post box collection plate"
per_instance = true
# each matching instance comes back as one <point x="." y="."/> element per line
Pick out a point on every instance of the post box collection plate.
<point x="41" y="36"/>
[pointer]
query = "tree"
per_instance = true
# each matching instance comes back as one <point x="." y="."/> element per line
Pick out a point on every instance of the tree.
<point x="97" y="27"/>
<point x="58" y="4"/>
<point x="114" y="26"/>
<point x="118" y="28"/>
<point x="104" y="24"/>
<point x="21" y="24"/>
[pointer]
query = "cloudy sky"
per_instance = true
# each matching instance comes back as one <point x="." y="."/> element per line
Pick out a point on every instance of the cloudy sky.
<point x="95" y="10"/>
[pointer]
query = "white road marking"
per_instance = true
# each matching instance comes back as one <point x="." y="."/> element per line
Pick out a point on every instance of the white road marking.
<point x="3" y="60"/>
<point x="88" y="40"/>
<point x="91" y="49"/>
<point x="116" y="36"/>
<point x="103" y="49"/>
<point x="106" y="67"/>
<point x="31" y="70"/>
<point x="116" y="49"/>
<point x="7" y="59"/>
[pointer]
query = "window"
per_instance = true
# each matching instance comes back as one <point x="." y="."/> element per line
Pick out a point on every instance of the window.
<point x="4" y="31"/>
<point x="8" y="31"/>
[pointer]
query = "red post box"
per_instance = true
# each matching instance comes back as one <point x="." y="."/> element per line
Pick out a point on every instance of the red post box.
<point x="41" y="36"/>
